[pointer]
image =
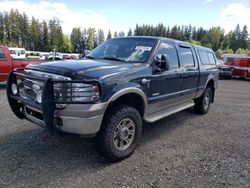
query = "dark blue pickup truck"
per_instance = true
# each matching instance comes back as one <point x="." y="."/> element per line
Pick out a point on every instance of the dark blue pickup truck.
<point x="121" y="84"/>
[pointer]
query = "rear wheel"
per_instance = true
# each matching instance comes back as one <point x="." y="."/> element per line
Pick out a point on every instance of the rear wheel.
<point x="120" y="133"/>
<point x="202" y="104"/>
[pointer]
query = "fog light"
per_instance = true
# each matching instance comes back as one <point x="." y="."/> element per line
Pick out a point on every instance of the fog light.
<point x="39" y="96"/>
<point x="14" y="89"/>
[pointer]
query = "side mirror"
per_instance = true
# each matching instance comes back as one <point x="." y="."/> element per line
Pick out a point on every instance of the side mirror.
<point x="160" y="63"/>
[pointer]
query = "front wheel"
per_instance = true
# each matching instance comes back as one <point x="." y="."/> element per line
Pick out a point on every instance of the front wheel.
<point x="120" y="133"/>
<point x="202" y="104"/>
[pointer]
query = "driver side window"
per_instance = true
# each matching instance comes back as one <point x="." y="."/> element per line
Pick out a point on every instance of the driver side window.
<point x="2" y="56"/>
<point x="168" y="49"/>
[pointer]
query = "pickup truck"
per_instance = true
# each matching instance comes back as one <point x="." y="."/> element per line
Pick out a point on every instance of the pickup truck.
<point x="7" y="64"/>
<point x="121" y="84"/>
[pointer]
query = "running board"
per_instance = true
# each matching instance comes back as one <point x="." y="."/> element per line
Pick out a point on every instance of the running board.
<point x="167" y="112"/>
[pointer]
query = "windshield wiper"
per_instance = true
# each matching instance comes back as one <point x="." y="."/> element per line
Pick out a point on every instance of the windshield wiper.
<point x="112" y="58"/>
<point x="90" y="57"/>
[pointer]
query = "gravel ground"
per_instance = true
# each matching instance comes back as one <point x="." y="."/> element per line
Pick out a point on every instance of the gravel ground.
<point x="183" y="150"/>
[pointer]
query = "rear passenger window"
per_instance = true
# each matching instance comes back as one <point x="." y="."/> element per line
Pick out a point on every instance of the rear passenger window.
<point x="168" y="49"/>
<point x="203" y="57"/>
<point x="207" y="58"/>
<point x="211" y="58"/>
<point x="187" y="59"/>
<point x="2" y="57"/>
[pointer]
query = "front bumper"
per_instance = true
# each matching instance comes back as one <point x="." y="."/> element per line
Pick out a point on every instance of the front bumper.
<point x="223" y="73"/>
<point x="77" y="119"/>
<point x="73" y="117"/>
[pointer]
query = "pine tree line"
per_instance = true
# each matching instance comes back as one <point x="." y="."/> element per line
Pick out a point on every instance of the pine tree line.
<point x="16" y="30"/>
<point x="235" y="41"/>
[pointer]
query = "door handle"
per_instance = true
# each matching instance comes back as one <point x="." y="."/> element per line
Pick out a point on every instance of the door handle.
<point x="145" y="81"/>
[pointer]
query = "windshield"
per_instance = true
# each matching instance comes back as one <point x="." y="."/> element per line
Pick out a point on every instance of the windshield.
<point x="124" y="49"/>
<point x="13" y="52"/>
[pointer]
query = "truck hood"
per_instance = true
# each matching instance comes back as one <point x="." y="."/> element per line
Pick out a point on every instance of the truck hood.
<point x="86" y="69"/>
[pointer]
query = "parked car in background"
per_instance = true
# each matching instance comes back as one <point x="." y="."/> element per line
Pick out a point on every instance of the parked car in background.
<point x="67" y="56"/>
<point x="17" y="53"/>
<point x="55" y="56"/>
<point x="225" y="71"/>
<point x="43" y="55"/>
<point x="240" y="64"/>
<point x="33" y="55"/>
<point x="7" y="63"/>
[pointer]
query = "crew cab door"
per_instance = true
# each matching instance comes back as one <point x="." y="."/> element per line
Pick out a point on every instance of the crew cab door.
<point x="190" y="72"/>
<point x="5" y="65"/>
<point x="164" y="86"/>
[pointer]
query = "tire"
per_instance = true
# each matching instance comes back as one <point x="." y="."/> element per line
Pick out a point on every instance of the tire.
<point x="202" y="104"/>
<point x="120" y="133"/>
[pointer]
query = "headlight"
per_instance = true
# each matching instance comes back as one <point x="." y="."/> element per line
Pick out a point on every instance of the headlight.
<point x="39" y="96"/>
<point x="76" y="92"/>
<point x="85" y="92"/>
<point x="14" y="89"/>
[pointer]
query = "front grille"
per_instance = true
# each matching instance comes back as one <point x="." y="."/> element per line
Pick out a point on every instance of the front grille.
<point x="226" y="69"/>
<point x="29" y="88"/>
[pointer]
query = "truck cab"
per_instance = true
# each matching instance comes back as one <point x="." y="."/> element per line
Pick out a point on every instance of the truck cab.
<point x="7" y="63"/>
<point x="17" y="53"/>
<point x="121" y="84"/>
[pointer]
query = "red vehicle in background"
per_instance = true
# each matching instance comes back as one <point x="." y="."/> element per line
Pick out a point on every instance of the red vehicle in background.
<point x="240" y="64"/>
<point x="7" y="64"/>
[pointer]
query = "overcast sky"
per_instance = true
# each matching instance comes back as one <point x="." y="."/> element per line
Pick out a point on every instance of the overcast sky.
<point x="122" y="15"/>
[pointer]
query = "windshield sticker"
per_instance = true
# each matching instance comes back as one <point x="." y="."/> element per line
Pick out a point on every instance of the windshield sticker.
<point x="143" y="48"/>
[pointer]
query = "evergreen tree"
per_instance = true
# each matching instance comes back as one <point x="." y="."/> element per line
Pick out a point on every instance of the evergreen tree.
<point x="109" y="36"/>
<point x="24" y="30"/>
<point x="244" y="37"/>
<point x="115" y="35"/>
<point x="59" y="37"/>
<point x="90" y="39"/>
<point x="160" y="30"/>
<point x="130" y="32"/>
<point x="76" y="39"/>
<point x="173" y="32"/>
<point x="187" y="33"/>
<point x="84" y="39"/>
<point x="168" y="32"/>
<point x="14" y="26"/>
<point x="136" y="31"/>
<point x="121" y="34"/>
<point x="1" y="28"/>
<point x="101" y="36"/>
<point x="52" y="35"/>
<point x="45" y="37"/>
<point x="236" y="39"/>
<point x="34" y="33"/>
<point x="194" y="34"/>
<point x="227" y="40"/>
<point x="7" y="29"/>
